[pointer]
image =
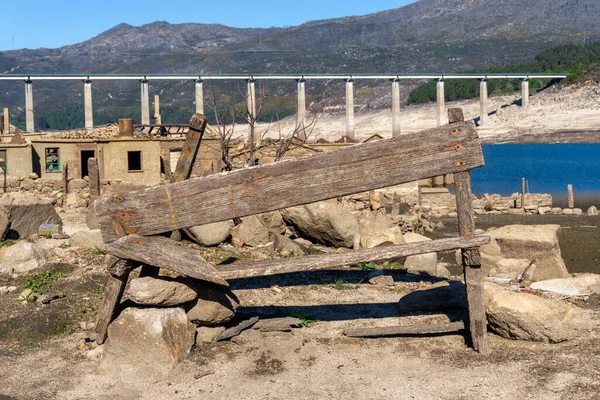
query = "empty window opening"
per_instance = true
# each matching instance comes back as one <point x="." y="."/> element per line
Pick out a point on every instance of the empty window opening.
<point x="134" y="161"/>
<point x="52" y="159"/>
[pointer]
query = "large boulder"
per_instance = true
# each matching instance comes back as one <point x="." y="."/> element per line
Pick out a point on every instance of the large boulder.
<point x="581" y="285"/>
<point x="286" y="246"/>
<point x="161" y="292"/>
<point x="537" y="243"/>
<point x="26" y="213"/>
<point x="156" y="338"/>
<point x="22" y="257"/>
<point x="89" y="239"/>
<point x="422" y="262"/>
<point x="215" y="305"/>
<point x="326" y="222"/>
<point x="210" y="234"/>
<point x="524" y="316"/>
<point x="4" y="222"/>
<point x="251" y="232"/>
<point x="445" y="295"/>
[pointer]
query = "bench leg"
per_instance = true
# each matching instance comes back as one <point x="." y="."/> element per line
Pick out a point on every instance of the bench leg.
<point x="475" y="299"/>
<point x="471" y="264"/>
<point x="112" y="298"/>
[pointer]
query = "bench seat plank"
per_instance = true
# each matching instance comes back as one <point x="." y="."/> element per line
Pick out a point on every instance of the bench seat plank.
<point x="360" y="168"/>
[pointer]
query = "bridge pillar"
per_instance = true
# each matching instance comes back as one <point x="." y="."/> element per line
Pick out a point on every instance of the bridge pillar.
<point x="396" y="131"/>
<point x="157" y="117"/>
<point x="199" y="96"/>
<point x="350" y="109"/>
<point x="29" y="116"/>
<point x="87" y="104"/>
<point x="251" y="106"/>
<point x="301" y="110"/>
<point x="525" y="93"/>
<point x="483" y="102"/>
<point x="145" y="102"/>
<point x="441" y="105"/>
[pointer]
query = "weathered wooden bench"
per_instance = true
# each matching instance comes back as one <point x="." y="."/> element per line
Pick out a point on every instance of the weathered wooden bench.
<point x="130" y="222"/>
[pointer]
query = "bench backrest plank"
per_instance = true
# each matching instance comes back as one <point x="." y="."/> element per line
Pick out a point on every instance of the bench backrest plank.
<point x="360" y="168"/>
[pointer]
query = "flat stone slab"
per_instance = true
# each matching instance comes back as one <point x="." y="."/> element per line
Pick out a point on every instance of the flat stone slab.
<point x="582" y="285"/>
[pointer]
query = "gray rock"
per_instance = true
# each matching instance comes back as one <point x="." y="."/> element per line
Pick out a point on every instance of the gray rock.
<point x="581" y="285"/>
<point x="215" y="305"/>
<point x="422" y="262"/>
<point x="156" y="338"/>
<point x="12" y="289"/>
<point x="207" y="334"/>
<point x="286" y="246"/>
<point x="210" y="234"/>
<point x="75" y="184"/>
<point x="89" y="239"/>
<point x="325" y="222"/>
<point x="26" y="213"/>
<point x="284" y="324"/>
<point x="510" y="268"/>
<point x="592" y="211"/>
<point x="22" y="257"/>
<point x="524" y="316"/>
<point x="251" y="232"/>
<point x="91" y="219"/>
<point x="446" y="295"/>
<point x="273" y="221"/>
<point x="160" y="292"/>
<point x="382" y="280"/>
<point x="532" y="242"/>
<point x="3" y="290"/>
<point x="4" y="222"/>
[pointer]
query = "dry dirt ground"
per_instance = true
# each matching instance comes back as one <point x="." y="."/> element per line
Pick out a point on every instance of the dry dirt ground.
<point x="41" y="358"/>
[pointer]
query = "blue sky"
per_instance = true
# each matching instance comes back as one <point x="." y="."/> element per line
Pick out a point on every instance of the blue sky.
<point x="54" y="23"/>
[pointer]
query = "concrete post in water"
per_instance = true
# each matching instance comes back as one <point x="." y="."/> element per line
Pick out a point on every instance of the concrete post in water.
<point x="251" y="105"/>
<point x="145" y="102"/>
<point x="29" y="118"/>
<point x="199" y="97"/>
<point x="483" y="102"/>
<point x="301" y="111"/>
<point x="157" y="118"/>
<point x="87" y="104"/>
<point x="350" y="109"/>
<point x="525" y="93"/>
<point x="441" y="105"/>
<point x="6" y="121"/>
<point x="396" y="129"/>
<point x="570" y="196"/>
<point x="523" y="193"/>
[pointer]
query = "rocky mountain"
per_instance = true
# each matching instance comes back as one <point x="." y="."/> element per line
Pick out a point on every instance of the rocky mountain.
<point x="426" y="36"/>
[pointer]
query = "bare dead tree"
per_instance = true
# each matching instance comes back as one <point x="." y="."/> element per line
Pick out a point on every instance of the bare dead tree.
<point x="225" y="116"/>
<point x="296" y="138"/>
<point x="250" y="113"/>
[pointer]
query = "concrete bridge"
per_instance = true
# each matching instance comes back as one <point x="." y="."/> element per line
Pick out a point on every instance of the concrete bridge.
<point x="301" y="100"/>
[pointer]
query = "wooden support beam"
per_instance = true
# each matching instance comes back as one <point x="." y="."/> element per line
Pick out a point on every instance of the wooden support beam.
<point x="404" y="330"/>
<point x="330" y="260"/>
<point x="113" y="292"/>
<point x="360" y="168"/>
<point x="185" y="164"/>
<point x="162" y="252"/>
<point x="471" y="258"/>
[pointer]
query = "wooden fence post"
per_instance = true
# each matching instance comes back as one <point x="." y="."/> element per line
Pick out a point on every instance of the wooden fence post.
<point x="65" y="176"/>
<point x="470" y="257"/>
<point x="94" y="175"/>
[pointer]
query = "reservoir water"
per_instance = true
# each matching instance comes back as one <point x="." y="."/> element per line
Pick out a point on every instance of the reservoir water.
<point x="548" y="168"/>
